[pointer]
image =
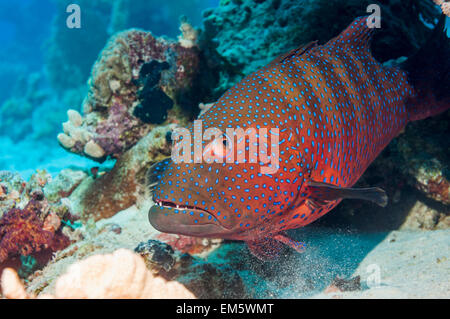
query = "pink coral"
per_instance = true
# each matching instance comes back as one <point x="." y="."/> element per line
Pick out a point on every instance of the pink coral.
<point x="110" y="133"/>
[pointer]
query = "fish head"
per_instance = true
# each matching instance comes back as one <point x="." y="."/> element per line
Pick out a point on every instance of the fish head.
<point x="218" y="197"/>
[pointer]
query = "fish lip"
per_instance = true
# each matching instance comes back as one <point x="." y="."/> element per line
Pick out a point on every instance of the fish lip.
<point x="172" y="205"/>
<point x="169" y="204"/>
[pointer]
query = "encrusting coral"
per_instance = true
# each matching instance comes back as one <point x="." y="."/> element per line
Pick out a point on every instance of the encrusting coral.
<point x="122" y="274"/>
<point x="138" y="81"/>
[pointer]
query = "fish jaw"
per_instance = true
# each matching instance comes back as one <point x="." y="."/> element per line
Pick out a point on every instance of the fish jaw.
<point x="181" y="221"/>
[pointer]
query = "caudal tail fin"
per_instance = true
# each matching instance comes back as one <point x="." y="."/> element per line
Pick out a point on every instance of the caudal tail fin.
<point x="429" y="73"/>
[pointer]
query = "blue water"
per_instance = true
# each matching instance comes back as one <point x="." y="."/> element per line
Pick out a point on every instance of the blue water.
<point x="32" y="104"/>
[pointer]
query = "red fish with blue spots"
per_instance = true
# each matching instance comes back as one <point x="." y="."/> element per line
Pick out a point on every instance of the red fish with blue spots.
<point x="335" y="107"/>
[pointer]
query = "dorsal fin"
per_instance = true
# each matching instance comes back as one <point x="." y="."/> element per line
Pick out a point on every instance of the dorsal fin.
<point x="294" y="52"/>
<point x="357" y="35"/>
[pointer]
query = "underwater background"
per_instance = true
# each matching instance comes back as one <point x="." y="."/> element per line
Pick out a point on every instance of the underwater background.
<point x="45" y="67"/>
<point x="81" y="120"/>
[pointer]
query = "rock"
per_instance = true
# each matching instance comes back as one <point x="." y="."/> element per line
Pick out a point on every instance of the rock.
<point x="341" y="284"/>
<point x="421" y="154"/>
<point x="424" y="217"/>
<point x="63" y="184"/>
<point x="204" y="279"/>
<point x="157" y="254"/>
<point x="121" y="187"/>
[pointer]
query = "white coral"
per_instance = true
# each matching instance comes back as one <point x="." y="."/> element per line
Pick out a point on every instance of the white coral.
<point x="94" y="150"/>
<point x="189" y="35"/>
<point x="74" y="118"/>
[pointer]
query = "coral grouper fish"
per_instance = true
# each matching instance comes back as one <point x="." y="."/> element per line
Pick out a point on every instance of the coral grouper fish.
<point x="336" y="108"/>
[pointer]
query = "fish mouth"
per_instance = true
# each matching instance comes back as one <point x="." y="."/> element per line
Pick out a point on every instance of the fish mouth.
<point x="169" y="217"/>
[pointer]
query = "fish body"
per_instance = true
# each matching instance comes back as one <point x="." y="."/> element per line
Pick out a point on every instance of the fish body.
<point x="335" y="108"/>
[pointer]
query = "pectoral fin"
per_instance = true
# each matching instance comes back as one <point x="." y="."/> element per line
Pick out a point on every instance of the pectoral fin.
<point x="265" y="249"/>
<point x="324" y="192"/>
<point x="285" y="239"/>
<point x="270" y="247"/>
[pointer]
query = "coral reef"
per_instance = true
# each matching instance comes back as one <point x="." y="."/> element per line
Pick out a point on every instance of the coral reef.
<point x="73" y="51"/>
<point x="120" y="275"/>
<point x="16" y="193"/>
<point x="229" y="270"/>
<point x="248" y="34"/>
<point x="142" y="87"/>
<point x="134" y="84"/>
<point x="121" y="187"/>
